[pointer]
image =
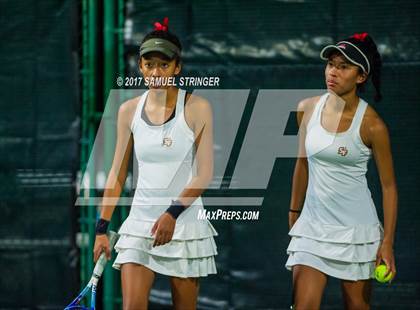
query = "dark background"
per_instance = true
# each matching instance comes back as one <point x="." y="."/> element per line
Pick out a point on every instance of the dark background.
<point x="250" y="45"/>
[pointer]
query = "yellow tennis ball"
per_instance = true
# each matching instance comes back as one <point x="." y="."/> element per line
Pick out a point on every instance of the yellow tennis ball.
<point x="380" y="272"/>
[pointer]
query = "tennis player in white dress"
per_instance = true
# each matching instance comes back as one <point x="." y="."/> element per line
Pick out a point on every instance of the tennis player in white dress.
<point x="335" y="230"/>
<point x="171" y="133"/>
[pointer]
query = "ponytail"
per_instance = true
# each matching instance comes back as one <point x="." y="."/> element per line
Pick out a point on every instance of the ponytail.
<point x="366" y="43"/>
<point x="376" y="75"/>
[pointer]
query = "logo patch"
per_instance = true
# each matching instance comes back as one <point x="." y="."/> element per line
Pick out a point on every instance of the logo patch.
<point x="342" y="150"/>
<point x="167" y="142"/>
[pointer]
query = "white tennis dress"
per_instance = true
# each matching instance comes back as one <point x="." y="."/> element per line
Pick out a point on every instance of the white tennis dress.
<point x="165" y="163"/>
<point x="338" y="231"/>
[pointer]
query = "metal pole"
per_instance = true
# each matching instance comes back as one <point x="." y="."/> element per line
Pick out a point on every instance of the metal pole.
<point x="88" y="213"/>
<point x="84" y="118"/>
<point x="110" y="61"/>
<point x="91" y="133"/>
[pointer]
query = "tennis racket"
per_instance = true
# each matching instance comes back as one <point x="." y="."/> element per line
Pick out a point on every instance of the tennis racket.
<point x="96" y="275"/>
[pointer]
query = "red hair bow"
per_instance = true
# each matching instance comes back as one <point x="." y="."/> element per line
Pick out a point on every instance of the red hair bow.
<point x="360" y="36"/>
<point x="162" y="27"/>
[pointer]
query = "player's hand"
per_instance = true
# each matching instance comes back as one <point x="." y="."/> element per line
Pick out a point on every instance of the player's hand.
<point x="293" y="216"/>
<point x="386" y="254"/>
<point x="101" y="245"/>
<point x="163" y="229"/>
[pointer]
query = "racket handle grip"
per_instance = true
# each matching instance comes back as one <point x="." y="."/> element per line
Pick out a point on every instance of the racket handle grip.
<point x="100" y="264"/>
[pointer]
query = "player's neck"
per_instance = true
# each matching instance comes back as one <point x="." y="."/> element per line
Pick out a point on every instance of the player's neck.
<point x="351" y="100"/>
<point x="345" y="103"/>
<point x="163" y="97"/>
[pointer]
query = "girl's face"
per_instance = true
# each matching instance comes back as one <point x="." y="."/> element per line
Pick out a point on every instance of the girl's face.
<point x="155" y="66"/>
<point x="341" y="76"/>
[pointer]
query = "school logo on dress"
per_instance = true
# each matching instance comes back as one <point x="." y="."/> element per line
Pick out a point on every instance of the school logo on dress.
<point x="342" y="150"/>
<point x="167" y="142"/>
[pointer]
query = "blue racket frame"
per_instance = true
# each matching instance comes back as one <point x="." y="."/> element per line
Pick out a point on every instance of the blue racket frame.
<point x="96" y="275"/>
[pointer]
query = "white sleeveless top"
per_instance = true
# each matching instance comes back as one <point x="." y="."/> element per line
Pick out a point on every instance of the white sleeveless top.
<point x="338" y="231"/>
<point x="338" y="203"/>
<point x="165" y="162"/>
<point x="337" y="190"/>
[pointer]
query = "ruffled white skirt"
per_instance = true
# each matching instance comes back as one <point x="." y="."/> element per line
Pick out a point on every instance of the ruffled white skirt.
<point x="344" y="252"/>
<point x="190" y="253"/>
